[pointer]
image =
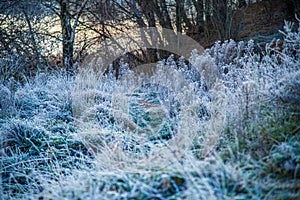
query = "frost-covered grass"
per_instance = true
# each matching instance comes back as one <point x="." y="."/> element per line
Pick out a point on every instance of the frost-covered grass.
<point x="225" y="127"/>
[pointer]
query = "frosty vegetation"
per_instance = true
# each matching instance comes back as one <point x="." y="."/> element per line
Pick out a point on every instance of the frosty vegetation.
<point x="224" y="126"/>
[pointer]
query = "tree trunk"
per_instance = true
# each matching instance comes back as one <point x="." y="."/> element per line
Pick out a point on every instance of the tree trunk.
<point x="148" y="11"/>
<point x="166" y="17"/>
<point x="179" y="14"/>
<point x="67" y="39"/>
<point x="200" y="10"/>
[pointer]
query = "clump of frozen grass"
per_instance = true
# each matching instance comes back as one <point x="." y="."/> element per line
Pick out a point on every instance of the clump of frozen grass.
<point x="38" y="135"/>
<point x="287" y="91"/>
<point x="284" y="160"/>
<point x="213" y="96"/>
<point x="195" y="179"/>
<point x="6" y="107"/>
<point x="84" y="94"/>
<point x="44" y="95"/>
<point x="291" y="44"/>
<point x="230" y="53"/>
<point x="260" y="88"/>
<point x="286" y="87"/>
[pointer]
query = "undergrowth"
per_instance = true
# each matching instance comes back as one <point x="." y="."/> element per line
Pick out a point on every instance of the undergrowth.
<point x="224" y="127"/>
